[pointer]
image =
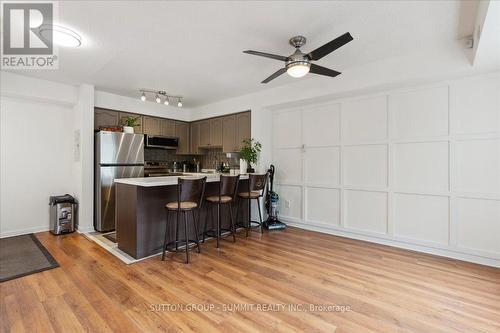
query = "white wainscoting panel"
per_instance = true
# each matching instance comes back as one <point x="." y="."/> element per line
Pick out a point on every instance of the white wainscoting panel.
<point x="364" y="119"/>
<point x="421" y="217"/>
<point x="421" y="113"/>
<point x="289" y="122"/>
<point x="477" y="166"/>
<point x="417" y="167"/>
<point x="291" y="195"/>
<point x="422" y="166"/>
<point x="323" y="205"/>
<point x="365" y="211"/>
<point x="475" y="106"/>
<point x="322" y="165"/>
<point x="290" y="164"/>
<point x="478" y="224"/>
<point x="321" y="125"/>
<point x="365" y="165"/>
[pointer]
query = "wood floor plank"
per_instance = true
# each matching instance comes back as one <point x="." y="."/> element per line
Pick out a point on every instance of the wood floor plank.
<point x="388" y="289"/>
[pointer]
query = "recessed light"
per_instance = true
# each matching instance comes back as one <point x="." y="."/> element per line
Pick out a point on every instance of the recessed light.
<point x="61" y="36"/>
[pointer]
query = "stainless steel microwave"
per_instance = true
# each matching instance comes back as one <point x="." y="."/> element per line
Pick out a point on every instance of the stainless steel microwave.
<point x="162" y="142"/>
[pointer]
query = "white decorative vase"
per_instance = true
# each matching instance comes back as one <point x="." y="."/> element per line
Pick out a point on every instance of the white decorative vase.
<point x="243" y="166"/>
<point x="128" y="129"/>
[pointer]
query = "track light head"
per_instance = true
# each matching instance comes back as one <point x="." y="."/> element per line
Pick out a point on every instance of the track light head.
<point x="166" y="102"/>
<point x="143" y="97"/>
<point x="158" y="99"/>
<point x="179" y="104"/>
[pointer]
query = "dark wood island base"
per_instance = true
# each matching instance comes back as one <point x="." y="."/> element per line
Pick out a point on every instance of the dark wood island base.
<point x="141" y="215"/>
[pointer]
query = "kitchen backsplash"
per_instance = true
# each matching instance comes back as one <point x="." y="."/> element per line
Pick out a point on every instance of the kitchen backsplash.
<point x="210" y="160"/>
<point x="214" y="157"/>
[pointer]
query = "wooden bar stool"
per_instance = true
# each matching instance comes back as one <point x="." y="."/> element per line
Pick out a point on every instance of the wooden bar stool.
<point x="189" y="198"/>
<point x="228" y="185"/>
<point x="255" y="191"/>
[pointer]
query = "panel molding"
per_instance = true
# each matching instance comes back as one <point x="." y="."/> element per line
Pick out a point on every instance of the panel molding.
<point x="452" y="138"/>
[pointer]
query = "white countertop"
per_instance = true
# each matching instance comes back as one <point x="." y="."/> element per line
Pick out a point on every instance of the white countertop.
<point x="170" y="180"/>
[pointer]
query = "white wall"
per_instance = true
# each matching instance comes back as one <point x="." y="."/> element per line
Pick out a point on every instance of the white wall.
<point x="417" y="168"/>
<point x="36" y="131"/>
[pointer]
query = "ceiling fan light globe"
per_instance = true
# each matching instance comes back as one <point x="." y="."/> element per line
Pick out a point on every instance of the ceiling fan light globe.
<point x="297" y="70"/>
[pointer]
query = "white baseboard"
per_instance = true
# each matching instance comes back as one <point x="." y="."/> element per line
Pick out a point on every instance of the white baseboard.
<point x="404" y="245"/>
<point x="24" y="231"/>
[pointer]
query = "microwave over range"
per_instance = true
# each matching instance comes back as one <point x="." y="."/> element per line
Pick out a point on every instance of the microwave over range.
<point x="162" y="142"/>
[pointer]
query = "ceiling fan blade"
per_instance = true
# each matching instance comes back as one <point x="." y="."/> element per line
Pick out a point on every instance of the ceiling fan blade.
<point x="275" y="75"/>
<point x="323" y="71"/>
<point x="267" y="55"/>
<point x="329" y="47"/>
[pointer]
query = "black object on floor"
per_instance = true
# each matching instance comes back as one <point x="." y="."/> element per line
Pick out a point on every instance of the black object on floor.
<point x="272" y="222"/>
<point x="111" y="236"/>
<point x="23" y="255"/>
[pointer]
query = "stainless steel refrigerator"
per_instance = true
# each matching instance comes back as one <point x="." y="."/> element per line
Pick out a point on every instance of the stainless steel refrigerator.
<point x="117" y="155"/>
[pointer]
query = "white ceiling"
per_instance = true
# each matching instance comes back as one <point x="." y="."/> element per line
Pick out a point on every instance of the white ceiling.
<point x="195" y="48"/>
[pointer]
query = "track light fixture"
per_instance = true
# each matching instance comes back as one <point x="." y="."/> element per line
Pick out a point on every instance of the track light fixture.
<point x="159" y="95"/>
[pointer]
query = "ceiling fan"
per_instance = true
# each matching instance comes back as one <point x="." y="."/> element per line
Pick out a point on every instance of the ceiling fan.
<point x="299" y="64"/>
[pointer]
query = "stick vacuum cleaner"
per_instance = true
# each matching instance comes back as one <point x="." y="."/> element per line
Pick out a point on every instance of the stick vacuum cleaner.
<point x="272" y="222"/>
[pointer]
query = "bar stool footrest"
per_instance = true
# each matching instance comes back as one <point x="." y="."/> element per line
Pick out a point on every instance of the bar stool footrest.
<point x="180" y="244"/>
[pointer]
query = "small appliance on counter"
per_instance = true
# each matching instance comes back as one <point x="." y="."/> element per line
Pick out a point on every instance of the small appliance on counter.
<point x="63" y="215"/>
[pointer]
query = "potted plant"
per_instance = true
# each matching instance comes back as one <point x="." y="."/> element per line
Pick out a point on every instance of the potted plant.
<point x="249" y="153"/>
<point x="129" y="123"/>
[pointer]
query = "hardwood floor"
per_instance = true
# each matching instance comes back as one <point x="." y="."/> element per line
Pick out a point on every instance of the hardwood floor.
<point x="387" y="289"/>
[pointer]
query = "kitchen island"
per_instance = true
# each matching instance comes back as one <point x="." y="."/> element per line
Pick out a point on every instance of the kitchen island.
<point x="141" y="215"/>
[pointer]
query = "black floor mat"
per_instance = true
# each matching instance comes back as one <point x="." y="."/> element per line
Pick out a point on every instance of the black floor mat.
<point x="23" y="255"/>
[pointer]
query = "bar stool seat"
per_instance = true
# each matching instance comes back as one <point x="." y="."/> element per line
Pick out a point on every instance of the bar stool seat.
<point x="190" y="194"/>
<point x="255" y="191"/>
<point x="223" y="199"/>
<point x="228" y="186"/>
<point x="185" y="205"/>
<point x="251" y="194"/>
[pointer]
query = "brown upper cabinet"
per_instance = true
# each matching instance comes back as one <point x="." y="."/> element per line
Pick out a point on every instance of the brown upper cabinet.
<point x="204" y="133"/>
<point x="243" y="128"/>
<point x="236" y="128"/>
<point x="182" y="132"/>
<point x="103" y="117"/>
<point x="195" y="138"/>
<point x="229" y="141"/>
<point x="152" y="125"/>
<point x="137" y="129"/>
<point x="211" y="133"/>
<point x="167" y="127"/>
<point x="216" y="132"/>
<point x="227" y="132"/>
